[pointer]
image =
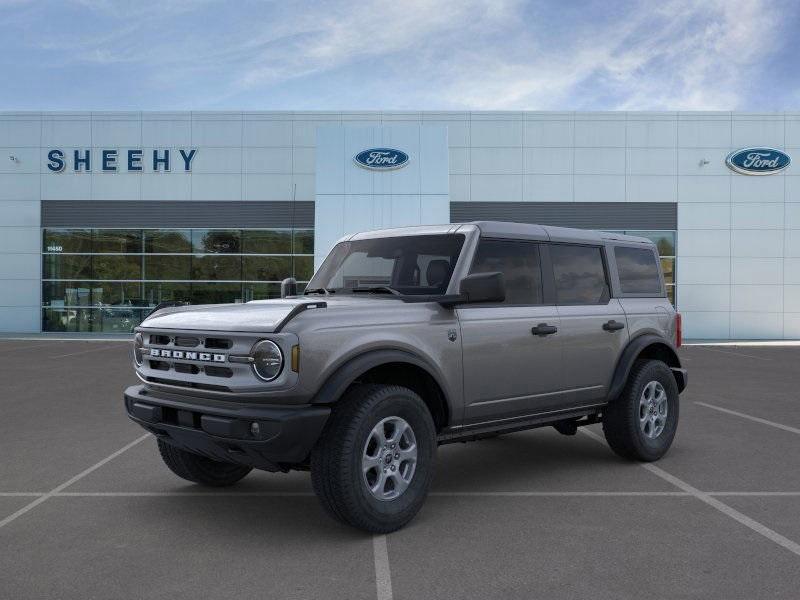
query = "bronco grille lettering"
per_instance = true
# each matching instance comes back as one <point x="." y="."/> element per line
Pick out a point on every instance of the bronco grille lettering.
<point x="181" y="354"/>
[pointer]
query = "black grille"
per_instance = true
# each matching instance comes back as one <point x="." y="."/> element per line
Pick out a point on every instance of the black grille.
<point x="218" y="343"/>
<point x="218" y="371"/>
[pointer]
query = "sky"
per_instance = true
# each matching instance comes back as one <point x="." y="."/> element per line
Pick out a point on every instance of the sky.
<point x="399" y="55"/>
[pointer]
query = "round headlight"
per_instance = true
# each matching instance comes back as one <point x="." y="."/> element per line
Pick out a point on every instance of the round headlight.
<point x="138" y="344"/>
<point x="267" y="360"/>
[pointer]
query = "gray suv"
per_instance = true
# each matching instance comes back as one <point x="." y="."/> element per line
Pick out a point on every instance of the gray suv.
<point x="410" y="338"/>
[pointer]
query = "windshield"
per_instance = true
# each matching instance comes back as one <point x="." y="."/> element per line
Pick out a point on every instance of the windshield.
<point x="409" y="265"/>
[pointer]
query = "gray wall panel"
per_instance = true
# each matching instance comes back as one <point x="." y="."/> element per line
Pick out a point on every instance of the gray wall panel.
<point x="163" y="214"/>
<point x="585" y="215"/>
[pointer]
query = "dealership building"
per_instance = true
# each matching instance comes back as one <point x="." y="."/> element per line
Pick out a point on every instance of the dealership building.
<point x="103" y="215"/>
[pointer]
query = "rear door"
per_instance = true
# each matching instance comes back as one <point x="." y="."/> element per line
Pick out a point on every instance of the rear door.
<point x="509" y="369"/>
<point x="593" y="325"/>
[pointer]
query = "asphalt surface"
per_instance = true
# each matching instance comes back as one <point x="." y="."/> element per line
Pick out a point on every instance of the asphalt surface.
<point x="87" y="509"/>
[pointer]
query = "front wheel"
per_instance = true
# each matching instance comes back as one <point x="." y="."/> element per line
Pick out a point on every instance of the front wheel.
<point x="373" y="465"/>
<point x="641" y="423"/>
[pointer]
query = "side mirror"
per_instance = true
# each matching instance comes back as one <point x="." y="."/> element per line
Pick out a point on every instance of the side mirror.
<point x="483" y="287"/>
<point x="288" y="287"/>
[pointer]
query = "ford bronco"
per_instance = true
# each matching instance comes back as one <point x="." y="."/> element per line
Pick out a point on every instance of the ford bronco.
<point x="406" y="339"/>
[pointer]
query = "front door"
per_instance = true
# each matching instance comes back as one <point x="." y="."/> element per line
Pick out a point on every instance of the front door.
<point x="512" y="350"/>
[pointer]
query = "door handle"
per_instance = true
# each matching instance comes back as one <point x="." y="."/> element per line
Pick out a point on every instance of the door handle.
<point x="613" y="325"/>
<point x="543" y="329"/>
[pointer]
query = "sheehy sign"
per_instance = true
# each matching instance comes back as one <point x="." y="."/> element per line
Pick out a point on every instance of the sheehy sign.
<point x="111" y="161"/>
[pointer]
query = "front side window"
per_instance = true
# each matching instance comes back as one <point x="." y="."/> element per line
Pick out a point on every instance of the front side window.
<point x="520" y="265"/>
<point x="638" y="271"/>
<point x="413" y="264"/>
<point x="580" y="277"/>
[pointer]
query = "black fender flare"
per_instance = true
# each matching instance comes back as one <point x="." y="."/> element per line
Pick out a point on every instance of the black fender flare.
<point x="338" y="382"/>
<point x="632" y="352"/>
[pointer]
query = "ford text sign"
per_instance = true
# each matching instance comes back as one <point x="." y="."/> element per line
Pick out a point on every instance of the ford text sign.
<point x="381" y="159"/>
<point x="757" y="161"/>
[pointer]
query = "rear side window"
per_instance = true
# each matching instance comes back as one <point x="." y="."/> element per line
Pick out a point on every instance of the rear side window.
<point x="638" y="271"/>
<point x="580" y="277"/>
<point x="518" y="262"/>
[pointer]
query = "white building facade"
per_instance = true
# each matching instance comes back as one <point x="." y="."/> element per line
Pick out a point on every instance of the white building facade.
<point x="104" y="215"/>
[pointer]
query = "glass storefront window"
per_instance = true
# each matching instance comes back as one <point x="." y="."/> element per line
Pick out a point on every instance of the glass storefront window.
<point x="67" y="240"/>
<point x="303" y="241"/>
<point x="216" y="293"/>
<point x="216" y="268"/>
<point x="261" y="291"/>
<point x="122" y="241"/>
<point x="303" y="267"/>
<point x="228" y="241"/>
<point x="668" y="266"/>
<point x="165" y="266"/>
<point x="162" y="241"/>
<point x="108" y="280"/>
<point x="117" y="266"/>
<point x="67" y="266"/>
<point x="157" y="292"/>
<point x="267" y="268"/>
<point x="267" y="241"/>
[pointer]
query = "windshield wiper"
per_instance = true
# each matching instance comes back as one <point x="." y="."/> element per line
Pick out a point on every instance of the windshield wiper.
<point x="321" y="290"/>
<point x="377" y="289"/>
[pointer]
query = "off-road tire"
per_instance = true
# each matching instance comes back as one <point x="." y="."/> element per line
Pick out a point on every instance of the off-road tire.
<point x="200" y="469"/>
<point x="336" y="471"/>
<point x="621" y="417"/>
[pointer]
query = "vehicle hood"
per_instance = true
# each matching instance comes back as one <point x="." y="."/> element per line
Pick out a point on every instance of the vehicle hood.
<point x="263" y="316"/>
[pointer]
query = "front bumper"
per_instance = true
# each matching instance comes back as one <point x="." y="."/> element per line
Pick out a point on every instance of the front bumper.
<point x="224" y="430"/>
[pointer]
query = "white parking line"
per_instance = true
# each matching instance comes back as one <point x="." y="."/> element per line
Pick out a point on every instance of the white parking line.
<point x="751" y="418"/>
<point x="734" y="514"/>
<point x="383" y="576"/>
<point x="82" y="352"/>
<point x="183" y="494"/>
<point x="552" y="494"/>
<point x="69" y="482"/>
<point x="433" y="494"/>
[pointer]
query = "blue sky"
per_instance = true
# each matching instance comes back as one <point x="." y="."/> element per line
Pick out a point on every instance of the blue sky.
<point x="396" y="54"/>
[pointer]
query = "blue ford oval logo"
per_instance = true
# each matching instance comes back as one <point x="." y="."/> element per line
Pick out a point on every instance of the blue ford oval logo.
<point x="381" y="159"/>
<point x="758" y="161"/>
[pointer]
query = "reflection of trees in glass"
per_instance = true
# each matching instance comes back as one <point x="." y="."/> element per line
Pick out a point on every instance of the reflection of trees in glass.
<point x="67" y="240"/>
<point x="117" y="240"/>
<point x="304" y="241"/>
<point x="168" y="241"/>
<point x="267" y="241"/>
<point x="218" y="240"/>
<point x="211" y="267"/>
<point x="117" y="267"/>
<point x="267" y="268"/>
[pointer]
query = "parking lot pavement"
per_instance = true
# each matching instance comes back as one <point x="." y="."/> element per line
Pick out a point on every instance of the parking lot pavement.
<point x="580" y="547"/>
<point x="533" y="513"/>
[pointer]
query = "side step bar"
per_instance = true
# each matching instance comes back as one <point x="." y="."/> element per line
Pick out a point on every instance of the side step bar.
<point x="587" y="415"/>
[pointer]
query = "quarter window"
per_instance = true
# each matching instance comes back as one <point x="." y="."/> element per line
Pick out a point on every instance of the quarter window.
<point x="580" y="277"/>
<point x="638" y="271"/>
<point x="520" y="265"/>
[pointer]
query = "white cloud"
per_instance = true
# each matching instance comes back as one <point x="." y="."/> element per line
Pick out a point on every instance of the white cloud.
<point x="683" y="56"/>
<point x="461" y="54"/>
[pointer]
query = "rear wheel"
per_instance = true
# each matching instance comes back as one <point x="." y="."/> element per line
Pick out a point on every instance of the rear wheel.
<point x="641" y="423"/>
<point x="200" y="469"/>
<point x="373" y="464"/>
